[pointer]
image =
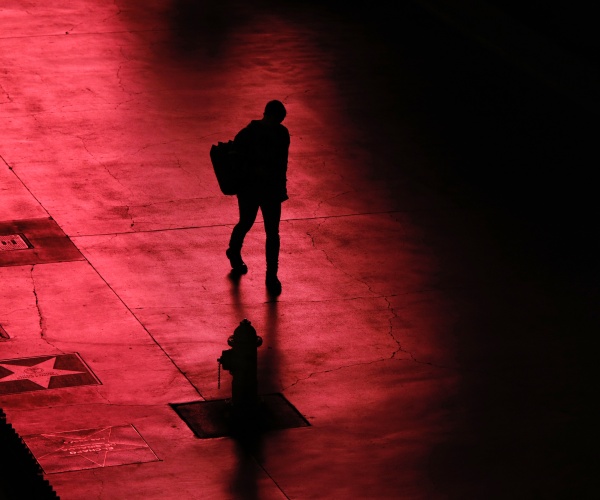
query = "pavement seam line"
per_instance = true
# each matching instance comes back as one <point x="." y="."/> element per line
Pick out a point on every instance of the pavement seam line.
<point x="331" y="370"/>
<point x="364" y="363"/>
<point x="88" y="33"/>
<point x="368" y="286"/>
<point x="25" y="185"/>
<point x="231" y="224"/>
<point x="87" y="404"/>
<point x="144" y="328"/>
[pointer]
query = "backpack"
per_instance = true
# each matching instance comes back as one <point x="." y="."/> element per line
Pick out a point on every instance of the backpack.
<point x="228" y="165"/>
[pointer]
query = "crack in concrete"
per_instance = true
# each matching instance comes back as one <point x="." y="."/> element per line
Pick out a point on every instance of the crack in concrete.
<point x="72" y="28"/>
<point x="351" y="365"/>
<point x="119" y="80"/>
<point x="316" y="211"/>
<point x="129" y="215"/>
<point x="118" y="13"/>
<point x="151" y="145"/>
<point x="100" y="478"/>
<point x="5" y="92"/>
<point x="179" y="165"/>
<point x="42" y="320"/>
<point x="365" y="363"/>
<point x="393" y="313"/>
<point x="127" y="101"/>
<point x="312" y="238"/>
<point x="41" y="127"/>
<point x="393" y="316"/>
<point x="95" y="94"/>
<point x="102" y="164"/>
<point x="125" y="56"/>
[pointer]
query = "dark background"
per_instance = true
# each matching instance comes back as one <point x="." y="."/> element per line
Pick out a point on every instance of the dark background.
<point x="521" y="153"/>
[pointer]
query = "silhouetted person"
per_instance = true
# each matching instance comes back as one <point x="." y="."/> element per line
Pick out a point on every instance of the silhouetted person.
<point x="265" y="144"/>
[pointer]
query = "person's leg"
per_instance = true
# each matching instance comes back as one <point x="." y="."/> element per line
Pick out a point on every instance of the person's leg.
<point x="248" y="209"/>
<point x="271" y="211"/>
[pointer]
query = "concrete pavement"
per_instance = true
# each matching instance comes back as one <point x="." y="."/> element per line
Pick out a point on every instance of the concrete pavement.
<point x="432" y="350"/>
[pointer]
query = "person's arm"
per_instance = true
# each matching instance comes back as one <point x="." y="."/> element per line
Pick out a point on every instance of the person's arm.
<point x="283" y="162"/>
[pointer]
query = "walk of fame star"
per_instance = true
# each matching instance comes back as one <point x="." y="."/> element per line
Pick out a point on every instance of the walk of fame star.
<point x="89" y="448"/>
<point x="93" y="447"/>
<point x="39" y="374"/>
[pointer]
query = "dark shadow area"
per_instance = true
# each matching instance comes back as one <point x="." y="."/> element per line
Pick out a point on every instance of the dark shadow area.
<point x="193" y="29"/>
<point x="20" y="474"/>
<point x="518" y="158"/>
<point x="211" y="419"/>
<point x="494" y="139"/>
<point x="518" y="155"/>
<point x="274" y="413"/>
<point x="236" y="301"/>
<point x="200" y="26"/>
<point x="244" y="481"/>
<point x="269" y="357"/>
<point x="572" y="25"/>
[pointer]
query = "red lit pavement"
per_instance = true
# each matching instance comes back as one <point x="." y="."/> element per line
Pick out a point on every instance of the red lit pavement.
<point x="426" y="361"/>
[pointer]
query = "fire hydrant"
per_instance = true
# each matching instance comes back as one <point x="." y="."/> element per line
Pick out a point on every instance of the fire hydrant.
<point x="241" y="362"/>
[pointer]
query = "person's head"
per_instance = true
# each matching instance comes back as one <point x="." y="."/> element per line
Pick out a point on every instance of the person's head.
<point x="275" y="110"/>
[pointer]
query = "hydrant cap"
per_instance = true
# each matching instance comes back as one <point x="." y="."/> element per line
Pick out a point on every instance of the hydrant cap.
<point x="245" y="332"/>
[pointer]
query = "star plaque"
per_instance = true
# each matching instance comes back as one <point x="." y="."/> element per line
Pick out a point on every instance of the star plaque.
<point x="43" y="373"/>
<point x="89" y="448"/>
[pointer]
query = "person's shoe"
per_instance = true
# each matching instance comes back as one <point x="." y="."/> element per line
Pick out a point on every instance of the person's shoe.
<point x="273" y="284"/>
<point x="238" y="266"/>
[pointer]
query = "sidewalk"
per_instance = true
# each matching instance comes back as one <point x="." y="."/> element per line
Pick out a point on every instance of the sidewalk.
<point x="427" y="356"/>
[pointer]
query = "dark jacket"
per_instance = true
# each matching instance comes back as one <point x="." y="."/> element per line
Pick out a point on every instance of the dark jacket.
<point x="264" y="146"/>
